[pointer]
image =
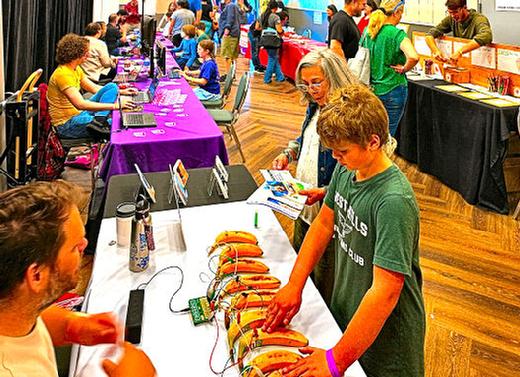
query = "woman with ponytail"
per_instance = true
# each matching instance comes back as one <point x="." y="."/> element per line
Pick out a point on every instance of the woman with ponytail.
<point x="391" y="55"/>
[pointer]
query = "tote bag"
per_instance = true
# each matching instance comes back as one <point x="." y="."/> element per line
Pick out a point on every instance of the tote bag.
<point x="359" y="65"/>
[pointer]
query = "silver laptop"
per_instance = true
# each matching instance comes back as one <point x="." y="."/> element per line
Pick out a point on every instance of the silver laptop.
<point x="147" y="95"/>
<point x="136" y="120"/>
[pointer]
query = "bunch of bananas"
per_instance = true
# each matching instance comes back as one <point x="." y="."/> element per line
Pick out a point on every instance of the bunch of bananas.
<point x="251" y="290"/>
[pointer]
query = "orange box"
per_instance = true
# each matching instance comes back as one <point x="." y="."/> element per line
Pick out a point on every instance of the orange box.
<point x="457" y="75"/>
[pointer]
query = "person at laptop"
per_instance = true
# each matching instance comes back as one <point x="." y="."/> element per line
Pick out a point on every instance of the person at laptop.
<point x="42" y="239"/>
<point x="113" y="37"/>
<point x="99" y="65"/>
<point x="207" y="78"/>
<point x="186" y="53"/>
<point x="70" y="113"/>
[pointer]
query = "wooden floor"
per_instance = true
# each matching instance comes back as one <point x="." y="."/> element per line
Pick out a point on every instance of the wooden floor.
<point x="470" y="258"/>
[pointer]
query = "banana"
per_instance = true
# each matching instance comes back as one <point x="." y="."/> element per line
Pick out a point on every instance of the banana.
<point x="237" y="250"/>
<point x="231" y="236"/>
<point x="248" y="282"/>
<point x="243" y="322"/>
<point x="280" y="337"/>
<point x="252" y="299"/>
<point x="242" y="265"/>
<point x="271" y="361"/>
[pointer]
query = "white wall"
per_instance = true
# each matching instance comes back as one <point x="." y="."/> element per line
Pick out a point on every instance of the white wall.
<point x="103" y="8"/>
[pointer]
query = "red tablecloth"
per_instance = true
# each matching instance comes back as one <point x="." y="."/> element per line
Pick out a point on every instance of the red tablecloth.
<point x="292" y="51"/>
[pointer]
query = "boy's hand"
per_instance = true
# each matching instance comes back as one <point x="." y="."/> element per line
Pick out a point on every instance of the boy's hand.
<point x="314" y="365"/>
<point x="313" y="195"/>
<point x="283" y="307"/>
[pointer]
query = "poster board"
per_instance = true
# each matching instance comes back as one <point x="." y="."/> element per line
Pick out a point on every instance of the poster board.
<point x="428" y="12"/>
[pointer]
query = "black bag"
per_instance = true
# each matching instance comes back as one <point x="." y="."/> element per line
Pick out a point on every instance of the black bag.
<point x="270" y="38"/>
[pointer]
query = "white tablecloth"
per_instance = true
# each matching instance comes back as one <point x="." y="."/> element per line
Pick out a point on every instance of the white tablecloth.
<point x="175" y="346"/>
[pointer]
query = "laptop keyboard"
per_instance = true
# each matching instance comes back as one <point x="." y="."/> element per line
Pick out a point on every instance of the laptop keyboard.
<point x="137" y="119"/>
<point x="124" y="78"/>
<point x="141" y="97"/>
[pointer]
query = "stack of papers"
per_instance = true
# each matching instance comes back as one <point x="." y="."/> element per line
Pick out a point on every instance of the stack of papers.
<point x="498" y="102"/>
<point x="280" y="193"/>
<point x="474" y="95"/>
<point x="451" y="88"/>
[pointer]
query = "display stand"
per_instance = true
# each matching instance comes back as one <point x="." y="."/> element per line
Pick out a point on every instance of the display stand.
<point x="219" y="177"/>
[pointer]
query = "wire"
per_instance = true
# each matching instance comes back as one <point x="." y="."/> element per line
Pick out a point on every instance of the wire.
<point x="144" y="285"/>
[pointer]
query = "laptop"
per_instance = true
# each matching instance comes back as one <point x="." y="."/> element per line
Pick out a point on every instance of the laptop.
<point x="128" y="77"/>
<point x="136" y="120"/>
<point x="146" y="96"/>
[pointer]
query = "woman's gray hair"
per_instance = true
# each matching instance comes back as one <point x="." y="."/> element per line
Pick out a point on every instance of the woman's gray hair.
<point x="333" y="67"/>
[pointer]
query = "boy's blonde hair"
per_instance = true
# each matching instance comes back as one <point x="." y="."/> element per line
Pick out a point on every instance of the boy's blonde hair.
<point x="353" y="114"/>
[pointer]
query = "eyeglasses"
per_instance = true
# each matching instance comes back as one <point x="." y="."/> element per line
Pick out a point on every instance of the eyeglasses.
<point x="314" y="86"/>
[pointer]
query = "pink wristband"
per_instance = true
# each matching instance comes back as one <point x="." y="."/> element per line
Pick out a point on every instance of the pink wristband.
<point x="333" y="368"/>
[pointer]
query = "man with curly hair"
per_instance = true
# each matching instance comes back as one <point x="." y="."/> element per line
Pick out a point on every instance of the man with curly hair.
<point x="69" y="111"/>
<point x="42" y="239"/>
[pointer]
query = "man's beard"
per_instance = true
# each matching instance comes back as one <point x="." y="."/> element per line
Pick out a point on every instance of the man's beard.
<point x="59" y="283"/>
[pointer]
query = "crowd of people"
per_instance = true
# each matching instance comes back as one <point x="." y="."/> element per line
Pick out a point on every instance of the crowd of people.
<point x="357" y="237"/>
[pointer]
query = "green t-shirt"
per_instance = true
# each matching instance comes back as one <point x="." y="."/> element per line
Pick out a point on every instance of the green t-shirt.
<point x="376" y="222"/>
<point x="202" y="37"/>
<point x="475" y="27"/>
<point x="385" y="51"/>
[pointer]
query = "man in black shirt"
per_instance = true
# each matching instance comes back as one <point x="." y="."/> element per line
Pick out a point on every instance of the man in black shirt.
<point x="113" y="36"/>
<point x="343" y="31"/>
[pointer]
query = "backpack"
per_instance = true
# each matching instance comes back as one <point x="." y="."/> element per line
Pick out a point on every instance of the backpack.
<point x="51" y="155"/>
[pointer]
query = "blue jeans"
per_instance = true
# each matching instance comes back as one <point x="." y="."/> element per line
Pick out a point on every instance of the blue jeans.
<point x="76" y="127"/>
<point x="273" y="66"/>
<point x="254" y="50"/>
<point x="394" y="102"/>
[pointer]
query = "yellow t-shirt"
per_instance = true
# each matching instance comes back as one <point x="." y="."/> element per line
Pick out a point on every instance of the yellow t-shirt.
<point x="60" y="108"/>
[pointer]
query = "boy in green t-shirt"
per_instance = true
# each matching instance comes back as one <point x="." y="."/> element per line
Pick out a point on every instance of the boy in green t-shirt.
<point x="371" y="209"/>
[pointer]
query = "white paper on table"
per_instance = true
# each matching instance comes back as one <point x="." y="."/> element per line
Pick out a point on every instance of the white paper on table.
<point x="484" y="57"/>
<point x="508" y="61"/>
<point x="421" y="47"/>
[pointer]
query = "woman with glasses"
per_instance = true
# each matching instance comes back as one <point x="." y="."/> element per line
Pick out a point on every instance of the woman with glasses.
<point x="318" y="75"/>
<point x="391" y="55"/>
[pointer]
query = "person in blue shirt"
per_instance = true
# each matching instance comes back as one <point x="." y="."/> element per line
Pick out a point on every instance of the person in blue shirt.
<point x="208" y="76"/>
<point x="186" y="53"/>
<point x="196" y="8"/>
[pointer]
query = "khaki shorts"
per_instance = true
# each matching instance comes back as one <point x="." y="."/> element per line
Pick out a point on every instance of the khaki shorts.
<point x="229" y="48"/>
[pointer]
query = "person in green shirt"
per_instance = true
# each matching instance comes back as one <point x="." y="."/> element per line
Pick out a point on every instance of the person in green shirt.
<point x="391" y="55"/>
<point x="463" y="23"/>
<point x="371" y="210"/>
<point x="200" y="29"/>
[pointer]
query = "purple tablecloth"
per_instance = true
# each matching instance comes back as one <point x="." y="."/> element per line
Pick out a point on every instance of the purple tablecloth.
<point x="185" y="132"/>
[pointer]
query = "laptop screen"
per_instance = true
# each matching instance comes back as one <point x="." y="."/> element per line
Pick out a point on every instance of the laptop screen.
<point x="153" y="87"/>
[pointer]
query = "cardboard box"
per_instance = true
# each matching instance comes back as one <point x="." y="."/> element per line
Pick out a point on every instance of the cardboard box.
<point x="457" y="75"/>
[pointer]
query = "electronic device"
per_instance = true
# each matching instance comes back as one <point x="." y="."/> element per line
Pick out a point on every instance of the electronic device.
<point x="136" y="120"/>
<point x="134" y="316"/>
<point x="174" y="74"/>
<point x="149" y="191"/>
<point x="148" y="28"/>
<point x="161" y="56"/>
<point x="146" y="96"/>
